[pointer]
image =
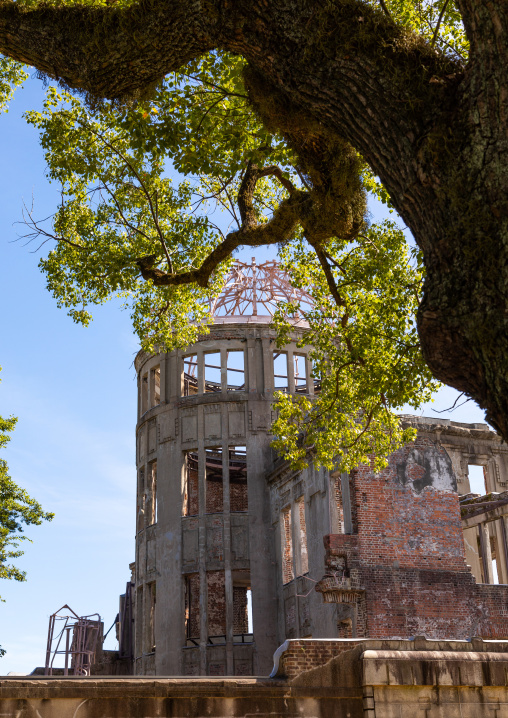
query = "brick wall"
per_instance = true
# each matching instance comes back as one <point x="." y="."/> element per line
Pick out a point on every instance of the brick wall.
<point x="407" y="554"/>
<point x="192" y="613"/>
<point x="287" y="546"/>
<point x="214" y="495"/>
<point x="304" y="556"/>
<point x="339" y="504"/>
<point x="216" y="603"/>
<point x="191" y="497"/>
<point x="238" y="495"/>
<point x="240" y="618"/>
<point x="307" y="653"/>
<point x="214" y="502"/>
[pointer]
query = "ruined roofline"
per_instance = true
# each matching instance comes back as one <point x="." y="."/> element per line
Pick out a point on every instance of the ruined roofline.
<point x="448" y="427"/>
<point x="424" y="424"/>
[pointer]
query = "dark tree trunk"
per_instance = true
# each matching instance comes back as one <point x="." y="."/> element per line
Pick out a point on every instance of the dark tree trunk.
<point x="434" y="131"/>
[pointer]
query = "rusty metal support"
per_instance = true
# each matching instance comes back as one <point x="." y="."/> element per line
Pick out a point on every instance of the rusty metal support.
<point x="79" y="635"/>
<point x="252" y="289"/>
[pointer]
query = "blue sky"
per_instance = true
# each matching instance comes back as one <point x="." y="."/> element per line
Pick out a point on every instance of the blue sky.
<point x="74" y="392"/>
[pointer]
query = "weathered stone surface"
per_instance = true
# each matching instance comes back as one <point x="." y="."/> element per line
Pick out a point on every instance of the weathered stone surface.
<point x="374" y="679"/>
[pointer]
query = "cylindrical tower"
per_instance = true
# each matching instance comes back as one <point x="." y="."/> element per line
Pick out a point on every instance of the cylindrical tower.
<point x="206" y="564"/>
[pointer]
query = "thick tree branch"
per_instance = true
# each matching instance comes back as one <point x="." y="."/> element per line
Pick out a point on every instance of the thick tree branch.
<point x="327" y="74"/>
<point x="106" y="51"/>
<point x="280" y="228"/>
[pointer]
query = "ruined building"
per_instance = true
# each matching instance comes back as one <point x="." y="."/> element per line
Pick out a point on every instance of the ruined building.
<point x="362" y="595"/>
<point x="230" y="560"/>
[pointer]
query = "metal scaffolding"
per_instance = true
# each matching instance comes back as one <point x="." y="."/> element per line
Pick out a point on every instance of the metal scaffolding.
<point x="74" y="637"/>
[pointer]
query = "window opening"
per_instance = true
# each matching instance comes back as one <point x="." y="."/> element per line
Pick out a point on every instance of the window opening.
<point x="316" y="380"/>
<point x="280" y="371"/>
<point x="144" y="393"/>
<point x="151" y="494"/>
<point x="250" y="627"/>
<point x="339" y="503"/>
<point x="141" y="500"/>
<point x="190" y="504"/>
<point x="190" y="375"/>
<point x="235" y="365"/>
<point x="345" y="628"/>
<point x="150" y="646"/>
<point x="192" y="617"/>
<point x="213" y="382"/>
<point x="156" y="386"/>
<point x="300" y="373"/>
<point x="287" y="546"/>
<point x="476" y="475"/>
<point x="493" y="555"/>
<point x="242" y="607"/>
<point x="240" y="617"/>
<point x="216" y="607"/>
<point x="214" y="481"/>
<point x="238" y="496"/>
<point x="139" y="621"/>
<point x="302" y="535"/>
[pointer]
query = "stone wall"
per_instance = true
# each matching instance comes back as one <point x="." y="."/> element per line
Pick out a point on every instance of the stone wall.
<point x="375" y="679"/>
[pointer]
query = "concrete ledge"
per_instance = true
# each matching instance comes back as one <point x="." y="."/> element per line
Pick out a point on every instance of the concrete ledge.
<point x="371" y="679"/>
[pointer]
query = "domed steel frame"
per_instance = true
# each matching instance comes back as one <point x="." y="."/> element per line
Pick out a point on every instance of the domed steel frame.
<point x="252" y="290"/>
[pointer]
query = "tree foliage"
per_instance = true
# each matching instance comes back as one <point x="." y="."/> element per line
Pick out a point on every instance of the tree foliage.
<point x="125" y="229"/>
<point x="17" y="509"/>
<point x="121" y="212"/>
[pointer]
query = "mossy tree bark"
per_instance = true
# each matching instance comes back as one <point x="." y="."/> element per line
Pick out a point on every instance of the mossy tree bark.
<point x="433" y="130"/>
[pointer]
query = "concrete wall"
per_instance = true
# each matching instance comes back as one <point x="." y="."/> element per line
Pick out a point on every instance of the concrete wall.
<point x="208" y="552"/>
<point x="396" y="548"/>
<point x="301" y="515"/>
<point x="477" y="445"/>
<point x="375" y="679"/>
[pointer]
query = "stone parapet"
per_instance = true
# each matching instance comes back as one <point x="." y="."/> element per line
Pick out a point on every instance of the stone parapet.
<point x="357" y="679"/>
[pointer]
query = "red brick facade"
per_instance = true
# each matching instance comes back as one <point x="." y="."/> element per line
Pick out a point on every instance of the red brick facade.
<point x="238" y="496"/>
<point x="216" y="603"/>
<point x="191" y="496"/>
<point x="192" y="614"/>
<point x="287" y="546"/>
<point x="404" y="565"/>
<point x="240" y="617"/>
<point x="304" y="654"/>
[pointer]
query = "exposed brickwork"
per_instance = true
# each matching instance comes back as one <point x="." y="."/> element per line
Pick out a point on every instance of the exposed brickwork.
<point x="408" y="554"/>
<point x="345" y="628"/>
<point x="238" y="495"/>
<point x="214" y="495"/>
<point x="304" y="556"/>
<point x="191" y="495"/>
<point x="151" y="494"/>
<point x="287" y="546"/>
<point x="216" y="603"/>
<point x="303" y="655"/>
<point x="214" y="482"/>
<point x="339" y="504"/>
<point x="141" y="500"/>
<point x="240" y="617"/>
<point x="192" y="613"/>
<point x="216" y="669"/>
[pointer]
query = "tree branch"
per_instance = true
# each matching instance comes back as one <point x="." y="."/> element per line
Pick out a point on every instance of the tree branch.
<point x="279" y="228"/>
<point x="108" y="51"/>
<point x="439" y="20"/>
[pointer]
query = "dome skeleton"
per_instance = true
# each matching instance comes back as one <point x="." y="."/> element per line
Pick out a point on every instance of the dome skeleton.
<point x="250" y="285"/>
